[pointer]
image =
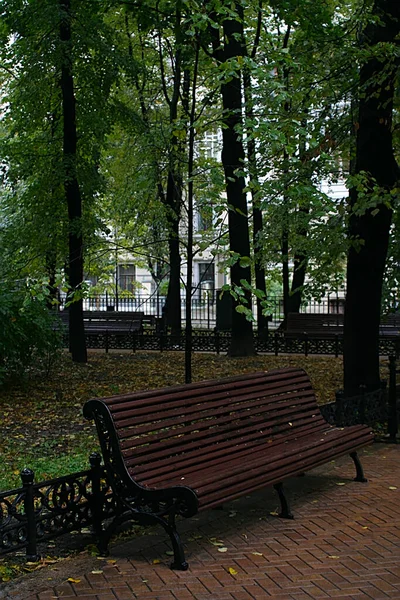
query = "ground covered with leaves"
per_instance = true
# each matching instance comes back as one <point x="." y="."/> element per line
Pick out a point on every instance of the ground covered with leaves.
<point x="42" y="423"/>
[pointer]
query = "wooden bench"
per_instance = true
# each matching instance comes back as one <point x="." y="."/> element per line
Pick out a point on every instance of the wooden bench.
<point x="314" y="324"/>
<point x="116" y="321"/>
<point x="390" y="325"/>
<point x="184" y="449"/>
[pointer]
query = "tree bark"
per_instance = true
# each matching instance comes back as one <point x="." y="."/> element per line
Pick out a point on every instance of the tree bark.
<point x="233" y="160"/>
<point x="369" y="232"/>
<point x="71" y="186"/>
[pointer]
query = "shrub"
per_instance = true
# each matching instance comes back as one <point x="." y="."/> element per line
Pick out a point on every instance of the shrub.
<point x="28" y="340"/>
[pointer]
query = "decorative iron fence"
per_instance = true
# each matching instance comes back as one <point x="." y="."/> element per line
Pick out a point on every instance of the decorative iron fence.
<point x="214" y="341"/>
<point x="37" y="512"/>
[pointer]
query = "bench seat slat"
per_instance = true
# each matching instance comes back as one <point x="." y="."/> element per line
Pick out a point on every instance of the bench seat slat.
<point x="208" y="477"/>
<point x="277" y="473"/>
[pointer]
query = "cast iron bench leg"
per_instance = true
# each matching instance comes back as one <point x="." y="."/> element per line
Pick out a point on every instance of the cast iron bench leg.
<point x="359" y="470"/>
<point x="179" y="563"/>
<point x="285" y="509"/>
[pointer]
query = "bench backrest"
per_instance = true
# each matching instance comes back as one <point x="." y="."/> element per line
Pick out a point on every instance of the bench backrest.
<point x="391" y="320"/>
<point x="314" y="321"/>
<point x="141" y="430"/>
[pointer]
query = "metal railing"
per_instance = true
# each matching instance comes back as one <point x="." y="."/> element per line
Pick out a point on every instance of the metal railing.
<point x="204" y="309"/>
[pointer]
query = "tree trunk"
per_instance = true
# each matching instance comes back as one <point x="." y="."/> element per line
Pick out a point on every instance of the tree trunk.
<point x="299" y="269"/>
<point x="71" y="187"/>
<point x="259" y="272"/>
<point x="369" y="232"/>
<point x="233" y="160"/>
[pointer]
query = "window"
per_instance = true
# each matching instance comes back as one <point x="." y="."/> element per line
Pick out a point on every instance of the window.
<point x="211" y="145"/>
<point x="206" y="276"/>
<point x="126" y="277"/>
<point x="204" y="218"/>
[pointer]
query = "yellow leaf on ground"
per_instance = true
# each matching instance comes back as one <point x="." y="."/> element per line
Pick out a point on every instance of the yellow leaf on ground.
<point x="341" y="483"/>
<point x="333" y="556"/>
<point x="257" y="553"/>
<point x="232" y="571"/>
<point x="72" y="580"/>
<point x="223" y="549"/>
<point x="156" y="561"/>
<point x="392" y="487"/>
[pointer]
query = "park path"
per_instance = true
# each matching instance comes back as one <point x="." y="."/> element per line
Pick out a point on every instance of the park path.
<point x="343" y="543"/>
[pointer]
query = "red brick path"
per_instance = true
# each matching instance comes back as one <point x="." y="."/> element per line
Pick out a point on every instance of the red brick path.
<point x="343" y="543"/>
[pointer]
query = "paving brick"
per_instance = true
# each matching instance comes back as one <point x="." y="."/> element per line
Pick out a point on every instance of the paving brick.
<point x="273" y="558"/>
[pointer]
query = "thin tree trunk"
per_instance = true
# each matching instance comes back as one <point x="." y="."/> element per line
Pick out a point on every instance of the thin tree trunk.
<point x="71" y="186"/>
<point x="369" y="232"/>
<point x="259" y="272"/>
<point x="190" y="207"/>
<point x="300" y="259"/>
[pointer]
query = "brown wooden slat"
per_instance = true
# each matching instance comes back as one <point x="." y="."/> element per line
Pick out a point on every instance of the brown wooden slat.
<point x="201" y="452"/>
<point x="201" y="434"/>
<point x="226" y="495"/>
<point x="225" y="413"/>
<point x="187" y="401"/>
<point x="206" y="459"/>
<point x="235" y="467"/>
<point x="116" y="403"/>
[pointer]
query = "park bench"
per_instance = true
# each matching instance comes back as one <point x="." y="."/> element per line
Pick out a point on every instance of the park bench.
<point x="115" y="321"/>
<point x="314" y="324"/>
<point x="183" y="449"/>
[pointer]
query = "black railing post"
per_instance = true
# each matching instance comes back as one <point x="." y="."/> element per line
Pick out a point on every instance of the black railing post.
<point x="96" y="498"/>
<point x="27" y="477"/>
<point x="392" y="400"/>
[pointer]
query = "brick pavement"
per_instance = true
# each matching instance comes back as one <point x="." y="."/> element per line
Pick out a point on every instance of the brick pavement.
<point x="343" y="543"/>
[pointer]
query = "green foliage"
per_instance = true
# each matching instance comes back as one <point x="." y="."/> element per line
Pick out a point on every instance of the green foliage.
<point x="29" y="340"/>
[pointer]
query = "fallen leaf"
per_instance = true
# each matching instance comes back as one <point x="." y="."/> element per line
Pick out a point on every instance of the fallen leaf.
<point x="392" y="487"/>
<point x="72" y="580"/>
<point x="257" y="553"/>
<point x="341" y="483"/>
<point x="156" y="561"/>
<point x="333" y="556"/>
<point x="169" y="553"/>
<point x="98" y="572"/>
<point x="223" y="549"/>
<point x="232" y="571"/>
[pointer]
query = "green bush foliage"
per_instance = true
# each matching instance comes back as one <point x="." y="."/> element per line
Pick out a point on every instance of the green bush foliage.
<point x="28" y="341"/>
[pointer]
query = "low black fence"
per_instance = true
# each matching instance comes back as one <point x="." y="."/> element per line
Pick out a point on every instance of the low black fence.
<point x="219" y="342"/>
<point x="38" y="512"/>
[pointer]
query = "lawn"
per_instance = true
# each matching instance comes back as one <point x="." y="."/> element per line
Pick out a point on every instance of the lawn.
<point x="42" y="423"/>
